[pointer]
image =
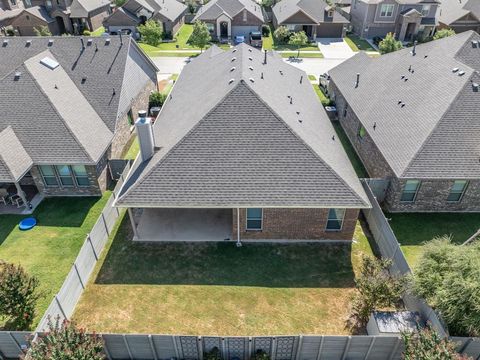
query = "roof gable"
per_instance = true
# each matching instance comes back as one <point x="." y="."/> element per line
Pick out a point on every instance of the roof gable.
<point x="14" y="160"/>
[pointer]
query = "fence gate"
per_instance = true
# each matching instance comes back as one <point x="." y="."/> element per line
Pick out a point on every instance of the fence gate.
<point x="116" y="167"/>
<point x="379" y="187"/>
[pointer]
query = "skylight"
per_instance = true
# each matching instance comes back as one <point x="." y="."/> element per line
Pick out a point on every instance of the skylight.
<point x="49" y="62"/>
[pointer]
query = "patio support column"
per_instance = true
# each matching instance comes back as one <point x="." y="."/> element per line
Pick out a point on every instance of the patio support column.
<point x="239" y="243"/>
<point x="134" y="226"/>
<point x="21" y="194"/>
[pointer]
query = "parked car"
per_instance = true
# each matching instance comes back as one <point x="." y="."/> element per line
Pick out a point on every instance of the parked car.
<point x="239" y="39"/>
<point x="256" y="39"/>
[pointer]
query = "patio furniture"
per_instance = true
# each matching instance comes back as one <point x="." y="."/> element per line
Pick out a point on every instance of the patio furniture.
<point x="27" y="224"/>
<point x="4" y="196"/>
<point x="17" y="200"/>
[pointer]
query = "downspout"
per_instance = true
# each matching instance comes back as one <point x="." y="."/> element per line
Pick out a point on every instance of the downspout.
<point x="239" y="243"/>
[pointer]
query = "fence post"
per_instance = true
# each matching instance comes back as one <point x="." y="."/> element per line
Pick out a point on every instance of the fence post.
<point x="250" y="349"/>
<point x="174" y="340"/>
<point x="15" y="342"/>
<point x="105" y="223"/>
<point x="152" y="347"/>
<point x="394" y="350"/>
<point x="60" y="306"/>
<point x="370" y="348"/>
<point x="128" y="347"/>
<point x="78" y="274"/>
<point x="299" y="347"/>
<point x="105" y="348"/>
<point x="89" y="239"/>
<point x="320" y="348"/>
<point x="274" y="348"/>
<point x="347" y="346"/>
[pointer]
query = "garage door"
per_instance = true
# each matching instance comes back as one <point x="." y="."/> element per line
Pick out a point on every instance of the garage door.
<point x="330" y="31"/>
<point x="243" y="30"/>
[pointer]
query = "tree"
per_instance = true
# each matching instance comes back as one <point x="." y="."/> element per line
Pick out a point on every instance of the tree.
<point x="448" y="277"/>
<point x="151" y="32"/>
<point x="267" y="3"/>
<point x="389" y="44"/>
<point x="426" y="344"/>
<point x="64" y="341"/>
<point x="376" y="289"/>
<point x="281" y="34"/>
<point x="191" y="6"/>
<point x="440" y="34"/>
<point x="120" y="3"/>
<point x="42" y="30"/>
<point x="156" y="99"/>
<point x="200" y="36"/>
<point x="298" y="39"/>
<point x="18" y="296"/>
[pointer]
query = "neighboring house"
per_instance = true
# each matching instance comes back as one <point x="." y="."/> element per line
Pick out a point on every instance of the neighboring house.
<point x="66" y="108"/>
<point x="59" y="16"/>
<point x="460" y="15"/>
<point x="169" y="13"/>
<point x="229" y="18"/>
<point x="242" y="139"/>
<point x="412" y="117"/>
<point x="408" y="19"/>
<point x="315" y="17"/>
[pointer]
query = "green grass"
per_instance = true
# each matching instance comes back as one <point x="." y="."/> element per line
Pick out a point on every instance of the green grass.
<point x="269" y="43"/>
<point x="98" y="32"/>
<point x="413" y="230"/>
<point x="352" y="155"/>
<point x="133" y="150"/>
<point x="302" y="54"/>
<point x="318" y="90"/>
<point x="312" y="77"/>
<point x="219" y="289"/>
<point x="357" y="44"/>
<point x="48" y="250"/>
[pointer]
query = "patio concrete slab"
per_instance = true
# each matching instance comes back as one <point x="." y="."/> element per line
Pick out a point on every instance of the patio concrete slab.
<point x="189" y="225"/>
<point x="335" y="48"/>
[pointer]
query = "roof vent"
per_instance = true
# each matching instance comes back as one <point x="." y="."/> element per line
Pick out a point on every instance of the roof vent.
<point x="50" y="42"/>
<point x="49" y="62"/>
<point x="475" y="87"/>
<point x="28" y="43"/>
<point x="107" y="41"/>
<point x="231" y="81"/>
<point x="251" y="68"/>
<point x="234" y="50"/>
<point x="455" y="70"/>
<point x="17" y="75"/>
<point x="252" y="80"/>
<point x="89" y="42"/>
<point x="250" y="58"/>
<point x="5" y="42"/>
<point x="250" y="50"/>
<point x="84" y="79"/>
<point x="281" y="72"/>
<point x="232" y="68"/>
<point x="233" y="59"/>
<point x="461" y="73"/>
<point x="474" y="43"/>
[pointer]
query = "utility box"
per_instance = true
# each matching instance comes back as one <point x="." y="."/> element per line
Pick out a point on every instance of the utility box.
<point x="393" y="323"/>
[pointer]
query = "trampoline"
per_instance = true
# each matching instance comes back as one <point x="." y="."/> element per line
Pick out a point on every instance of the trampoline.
<point x="27" y="224"/>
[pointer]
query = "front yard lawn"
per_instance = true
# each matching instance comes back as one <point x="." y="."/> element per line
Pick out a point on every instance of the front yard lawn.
<point x="357" y="44"/>
<point x="269" y="43"/>
<point x="219" y="289"/>
<point x="413" y="230"/>
<point x="48" y="250"/>
<point x="294" y="54"/>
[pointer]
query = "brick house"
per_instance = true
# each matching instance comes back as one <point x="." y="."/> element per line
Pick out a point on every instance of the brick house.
<point x="407" y="19"/>
<point x="169" y="13"/>
<point x="66" y="105"/>
<point x="227" y="19"/>
<point x="315" y="17"/>
<point x="241" y="153"/>
<point x="412" y="117"/>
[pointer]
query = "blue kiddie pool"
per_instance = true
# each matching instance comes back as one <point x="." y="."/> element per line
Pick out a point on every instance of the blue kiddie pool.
<point x="27" y="224"/>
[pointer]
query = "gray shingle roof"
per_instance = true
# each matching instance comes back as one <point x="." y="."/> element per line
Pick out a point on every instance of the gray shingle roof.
<point x="314" y="9"/>
<point x="453" y="10"/>
<point x="14" y="160"/>
<point x="214" y="8"/>
<point x="435" y="134"/>
<point x="228" y="136"/>
<point x="171" y="9"/>
<point x="75" y="122"/>
<point x="81" y="8"/>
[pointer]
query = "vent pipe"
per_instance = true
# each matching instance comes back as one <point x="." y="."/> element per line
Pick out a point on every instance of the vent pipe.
<point x="144" y="129"/>
<point x="265" y="58"/>
<point x="414" y="50"/>
<point x="358" y="80"/>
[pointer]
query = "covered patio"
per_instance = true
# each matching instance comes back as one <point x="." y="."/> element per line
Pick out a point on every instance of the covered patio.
<point x="181" y="225"/>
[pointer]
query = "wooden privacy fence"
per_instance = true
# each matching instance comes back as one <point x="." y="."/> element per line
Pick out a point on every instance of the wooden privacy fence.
<point x="64" y="302"/>
<point x="389" y="248"/>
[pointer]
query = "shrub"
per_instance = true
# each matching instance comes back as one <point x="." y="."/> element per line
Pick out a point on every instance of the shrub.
<point x="376" y="289"/>
<point x="18" y="296"/>
<point x="191" y="6"/>
<point x="281" y="34"/>
<point x="440" y="34"/>
<point x="156" y="99"/>
<point x="265" y="30"/>
<point x="87" y="33"/>
<point x="42" y="30"/>
<point x="213" y="354"/>
<point x="389" y="44"/>
<point x="63" y="341"/>
<point x="448" y="277"/>
<point x="200" y="36"/>
<point x="260" y="355"/>
<point x="298" y="39"/>
<point x="151" y="32"/>
<point x="267" y="3"/>
<point x="427" y="344"/>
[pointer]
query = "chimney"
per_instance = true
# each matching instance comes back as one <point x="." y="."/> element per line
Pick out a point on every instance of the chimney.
<point x="144" y="129"/>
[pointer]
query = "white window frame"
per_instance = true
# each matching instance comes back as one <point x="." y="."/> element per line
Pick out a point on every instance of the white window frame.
<point x="342" y="220"/>
<point x="456" y="192"/>
<point x="425" y="10"/>
<point x="77" y="176"/>
<point x="49" y="176"/>
<point x="419" y="183"/>
<point x="290" y="27"/>
<point x="386" y="9"/>
<point x="249" y="218"/>
<point x="210" y="27"/>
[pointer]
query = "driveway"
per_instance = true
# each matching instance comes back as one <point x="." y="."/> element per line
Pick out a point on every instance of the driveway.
<point x="315" y="66"/>
<point x="170" y="65"/>
<point x="335" y="48"/>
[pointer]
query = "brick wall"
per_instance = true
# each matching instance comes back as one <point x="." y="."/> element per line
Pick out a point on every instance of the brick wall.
<point x="96" y="18"/>
<point x="296" y="224"/>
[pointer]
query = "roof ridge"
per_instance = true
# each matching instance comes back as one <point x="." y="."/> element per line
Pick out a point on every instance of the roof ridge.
<point x="278" y="117"/>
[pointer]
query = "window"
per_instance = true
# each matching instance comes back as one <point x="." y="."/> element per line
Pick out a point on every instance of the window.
<point x="28" y="3"/>
<point x="345" y="110"/>
<point x="81" y="176"/>
<point x="387" y="10"/>
<point x="330" y="13"/>
<point x="48" y="3"/>
<point x="130" y="117"/>
<point x="335" y="219"/>
<point x="425" y="10"/>
<point x="410" y="191"/>
<point x="254" y="219"/>
<point x="457" y="190"/>
<point x="210" y="27"/>
<point x="65" y="175"/>
<point x="290" y="27"/>
<point x="48" y="174"/>
<point x="362" y="132"/>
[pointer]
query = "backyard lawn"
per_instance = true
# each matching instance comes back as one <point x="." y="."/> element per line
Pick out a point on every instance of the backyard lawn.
<point x="413" y="230"/>
<point x="48" y="250"/>
<point x="357" y="44"/>
<point x="219" y="289"/>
